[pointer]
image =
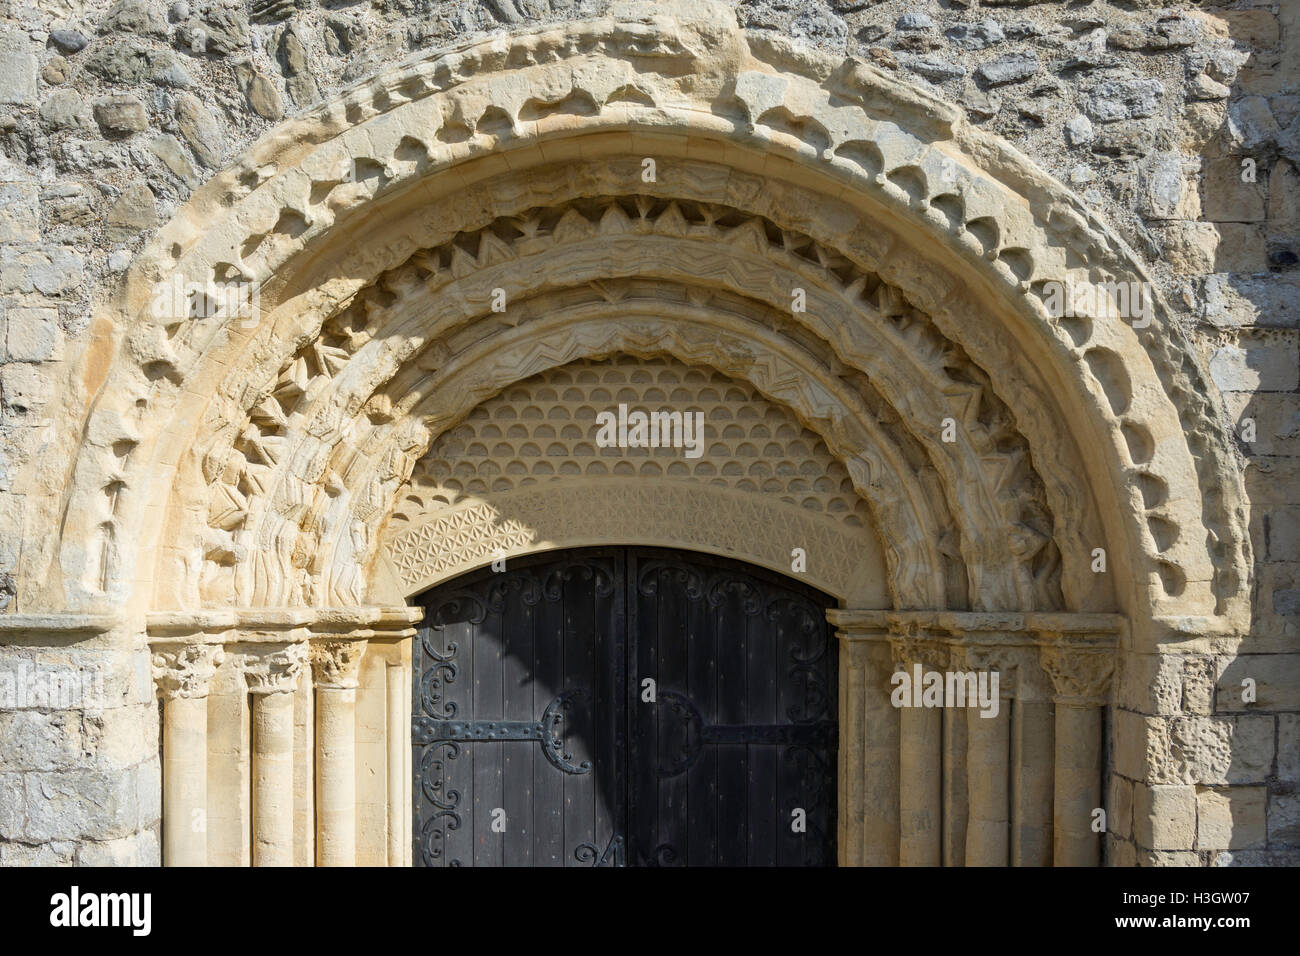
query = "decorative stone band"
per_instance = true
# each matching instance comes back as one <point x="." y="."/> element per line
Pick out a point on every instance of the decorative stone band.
<point x="1066" y="657"/>
<point x="280" y="625"/>
<point x="331" y="640"/>
<point x="15" y="628"/>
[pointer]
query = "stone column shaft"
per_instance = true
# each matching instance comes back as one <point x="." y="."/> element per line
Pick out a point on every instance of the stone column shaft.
<point x="920" y="751"/>
<point x="1078" y="784"/>
<point x="1081" y="677"/>
<point x="183" y="676"/>
<point x="880" y="760"/>
<point x="335" y="668"/>
<point x="1032" y="759"/>
<point x="920" y="792"/>
<point x="988" y="748"/>
<point x="956" y="798"/>
<point x="397" y="745"/>
<point x="988" y="829"/>
<point x="272" y="677"/>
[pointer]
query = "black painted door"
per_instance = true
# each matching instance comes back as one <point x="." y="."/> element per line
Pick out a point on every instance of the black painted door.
<point x="624" y="706"/>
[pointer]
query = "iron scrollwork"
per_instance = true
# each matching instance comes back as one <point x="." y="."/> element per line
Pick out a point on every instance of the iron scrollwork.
<point x="613" y="854"/>
<point x="545" y="731"/>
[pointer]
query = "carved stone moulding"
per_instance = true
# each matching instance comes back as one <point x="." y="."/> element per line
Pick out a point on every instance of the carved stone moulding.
<point x="968" y="227"/>
<point x="844" y="562"/>
<point x="1058" y="656"/>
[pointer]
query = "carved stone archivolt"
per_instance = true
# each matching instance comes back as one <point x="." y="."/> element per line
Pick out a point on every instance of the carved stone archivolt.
<point x="375" y="230"/>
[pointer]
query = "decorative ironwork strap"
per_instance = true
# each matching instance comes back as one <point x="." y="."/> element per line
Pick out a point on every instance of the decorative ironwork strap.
<point x="429" y="730"/>
<point x="699" y="734"/>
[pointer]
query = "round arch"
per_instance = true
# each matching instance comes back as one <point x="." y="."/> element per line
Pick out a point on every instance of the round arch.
<point x="660" y="183"/>
<point x="875" y="171"/>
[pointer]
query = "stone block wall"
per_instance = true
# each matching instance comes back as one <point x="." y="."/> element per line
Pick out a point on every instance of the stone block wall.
<point x="1179" y="124"/>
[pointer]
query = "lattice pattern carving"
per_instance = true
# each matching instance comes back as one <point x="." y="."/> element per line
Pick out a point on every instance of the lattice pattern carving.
<point x="524" y="469"/>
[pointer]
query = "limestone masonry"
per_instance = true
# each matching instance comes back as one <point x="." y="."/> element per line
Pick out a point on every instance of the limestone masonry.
<point x="990" y="308"/>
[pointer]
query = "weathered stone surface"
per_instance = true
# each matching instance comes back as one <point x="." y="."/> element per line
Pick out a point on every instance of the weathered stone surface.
<point x="48" y="269"/>
<point x="1264" y="368"/>
<point x="55" y="71"/>
<point x="1276" y="677"/>
<point x="126" y="61"/>
<point x="1078" y="131"/>
<point x="138" y="850"/>
<point x="121" y="113"/>
<point x="1174" y="95"/>
<point x="263" y="98"/>
<point x="68" y="204"/>
<point x="1230" y="194"/>
<point x="1251" y="126"/>
<point x="69" y="41"/>
<point x="17" y="78"/>
<point x="1231" y="818"/>
<point x="1191" y="248"/>
<point x="1166" y="188"/>
<point x="1284" y="819"/>
<point x="1123" y="99"/>
<point x="131" y="214"/>
<point x="976" y="36"/>
<point x="168" y="149"/>
<point x="32" y="334"/>
<point x="217" y="30"/>
<point x="933" y="69"/>
<point x="86" y="803"/>
<point x="200" y="129"/>
<point x="145" y="17"/>
<point x="1012" y="68"/>
<point x="1163" y="817"/>
<point x="65" y="109"/>
<point x="1220" y="750"/>
<point x="1288" y="747"/>
<point x="19" y="213"/>
<point x="1271" y="302"/>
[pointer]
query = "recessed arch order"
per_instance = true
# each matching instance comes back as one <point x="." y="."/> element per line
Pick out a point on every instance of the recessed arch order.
<point x="376" y="228"/>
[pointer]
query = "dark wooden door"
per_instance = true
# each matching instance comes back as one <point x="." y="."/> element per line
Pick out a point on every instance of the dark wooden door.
<point x="624" y="706"/>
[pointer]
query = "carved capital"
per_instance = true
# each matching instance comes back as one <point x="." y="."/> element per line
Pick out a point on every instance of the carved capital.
<point x="336" y="663"/>
<point x="186" y="671"/>
<point x="1080" y="676"/>
<point x="912" y="644"/>
<point x="274" y="671"/>
<point x="990" y="657"/>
